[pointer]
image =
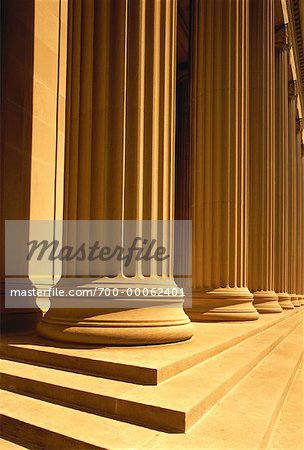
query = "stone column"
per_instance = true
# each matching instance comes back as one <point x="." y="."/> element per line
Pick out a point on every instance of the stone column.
<point x="219" y="147"/>
<point x="281" y="168"/>
<point x="120" y="161"/>
<point x="262" y="157"/>
<point x="299" y="215"/>
<point x="292" y="203"/>
<point x="302" y="221"/>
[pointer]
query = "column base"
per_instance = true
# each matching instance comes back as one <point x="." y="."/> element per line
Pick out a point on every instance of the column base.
<point x="266" y="302"/>
<point x="143" y="320"/>
<point x="300" y="299"/>
<point x="284" y="300"/>
<point x="222" y="304"/>
<point x="294" y="300"/>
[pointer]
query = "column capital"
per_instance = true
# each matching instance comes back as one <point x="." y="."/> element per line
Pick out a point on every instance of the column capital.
<point x="282" y="40"/>
<point x="299" y="125"/>
<point x="292" y="89"/>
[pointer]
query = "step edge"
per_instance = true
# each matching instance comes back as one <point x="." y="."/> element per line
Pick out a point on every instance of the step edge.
<point x="162" y="372"/>
<point x="266" y="439"/>
<point x="18" y="426"/>
<point x="237" y="377"/>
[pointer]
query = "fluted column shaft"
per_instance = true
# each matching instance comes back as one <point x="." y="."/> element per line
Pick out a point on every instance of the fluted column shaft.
<point x="292" y="171"/>
<point x="262" y="156"/>
<point x="281" y="164"/>
<point x="120" y="161"/>
<point x="219" y="146"/>
<point x="299" y="218"/>
<point x="302" y="221"/>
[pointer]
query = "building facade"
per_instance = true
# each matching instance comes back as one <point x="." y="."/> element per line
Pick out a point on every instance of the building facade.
<point x="162" y="110"/>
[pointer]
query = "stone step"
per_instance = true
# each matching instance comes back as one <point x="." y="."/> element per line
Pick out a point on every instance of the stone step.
<point x="139" y="364"/>
<point x="247" y="415"/>
<point x="242" y="420"/>
<point x="43" y="425"/>
<point x="174" y="405"/>
<point x="288" y="433"/>
<point x="7" y="445"/>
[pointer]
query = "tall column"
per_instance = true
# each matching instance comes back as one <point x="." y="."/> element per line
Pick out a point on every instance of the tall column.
<point x="120" y="162"/>
<point x="299" y="213"/>
<point x="262" y="157"/>
<point x="292" y="203"/>
<point x="302" y="221"/>
<point x="219" y="146"/>
<point x="281" y="165"/>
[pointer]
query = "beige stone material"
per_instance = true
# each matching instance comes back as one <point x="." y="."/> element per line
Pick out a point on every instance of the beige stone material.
<point x="7" y="445"/>
<point x="219" y="148"/>
<point x="302" y="220"/>
<point x="262" y="157"/>
<point x="288" y="433"/>
<point x="135" y="364"/>
<point x="293" y="192"/>
<point x="229" y="425"/>
<point x="281" y="168"/>
<point x="78" y="431"/>
<point x="40" y="422"/>
<point x="200" y="387"/>
<point x="299" y="212"/>
<point x="104" y="149"/>
<point x="120" y="155"/>
<point x="49" y="104"/>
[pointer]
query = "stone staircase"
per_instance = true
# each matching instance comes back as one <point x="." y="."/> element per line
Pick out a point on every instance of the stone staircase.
<point x="226" y="388"/>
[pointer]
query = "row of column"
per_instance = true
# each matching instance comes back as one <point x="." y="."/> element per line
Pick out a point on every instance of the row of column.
<point x="247" y="196"/>
<point x="120" y="159"/>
